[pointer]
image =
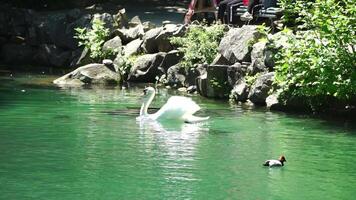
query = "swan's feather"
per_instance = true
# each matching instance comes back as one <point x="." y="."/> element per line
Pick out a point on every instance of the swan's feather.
<point x="177" y="107"/>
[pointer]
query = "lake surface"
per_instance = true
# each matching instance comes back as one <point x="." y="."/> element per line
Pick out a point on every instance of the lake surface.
<point x="84" y="143"/>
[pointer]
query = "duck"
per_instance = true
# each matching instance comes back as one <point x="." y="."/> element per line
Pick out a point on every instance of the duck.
<point x="177" y="108"/>
<point x="275" y="163"/>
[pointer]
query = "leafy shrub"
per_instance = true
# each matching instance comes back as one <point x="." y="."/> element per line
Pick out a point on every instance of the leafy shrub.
<point x="125" y="64"/>
<point x="199" y="44"/>
<point x="320" y="62"/>
<point x="94" y="39"/>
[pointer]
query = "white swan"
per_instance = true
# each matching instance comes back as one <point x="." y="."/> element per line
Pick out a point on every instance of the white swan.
<point x="177" y="108"/>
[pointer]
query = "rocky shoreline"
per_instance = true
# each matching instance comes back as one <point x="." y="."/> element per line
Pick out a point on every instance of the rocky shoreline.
<point x="29" y="37"/>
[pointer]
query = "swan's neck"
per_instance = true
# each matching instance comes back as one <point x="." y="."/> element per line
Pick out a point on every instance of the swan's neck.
<point x="147" y="101"/>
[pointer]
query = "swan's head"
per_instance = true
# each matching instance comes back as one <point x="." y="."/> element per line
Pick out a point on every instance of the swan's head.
<point x="148" y="91"/>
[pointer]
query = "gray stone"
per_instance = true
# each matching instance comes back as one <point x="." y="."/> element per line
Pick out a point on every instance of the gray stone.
<point x="235" y="73"/>
<point x="240" y="91"/>
<point x="108" y="19"/>
<point x="172" y="58"/>
<point x="81" y="57"/>
<point x="50" y="55"/>
<point x="146" y="68"/>
<point x="258" y="58"/>
<point x="114" y="44"/>
<point x="259" y="90"/>
<point x="220" y="60"/>
<point x="121" y="19"/>
<point x="17" y="53"/>
<point x="216" y="83"/>
<point x="272" y="101"/>
<point x="235" y="45"/>
<point x="135" y="21"/>
<point x="148" y="26"/>
<point x="150" y="40"/>
<point x="134" y="47"/>
<point x="89" y="74"/>
<point x="128" y="35"/>
<point x="176" y="76"/>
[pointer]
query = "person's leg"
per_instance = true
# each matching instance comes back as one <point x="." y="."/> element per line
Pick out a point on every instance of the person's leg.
<point x="221" y="10"/>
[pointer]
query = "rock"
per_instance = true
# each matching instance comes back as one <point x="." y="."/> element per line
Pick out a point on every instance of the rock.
<point x="114" y="45"/>
<point x="134" y="47"/>
<point x="158" y="39"/>
<point x="146" y="68"/>
<point x="17" y="53"/>
<point x="109" y="64"/>
<point x="149" y="40"/>
<point x="235" y="44"/>
<point x="135" y="21"/>
<point x="272" y="101"/>
<point x="121" y="19"/>
<point x="50" y="55"/>
<point x="108" y="19"/>
<point x="258" y="57"/>
<point x="235" y="73"/>
<point x="172" y="58"/>
<point x="176" y="76"/>
<point x="259" y="90"/>
<point x="148" y="26"/>
<point x="220" y="60"/>
<point x="216" y="83"/>
<point x="81" y="57"/>
<point x="240" y="91"/>
<point x="89" y="74"/>
<point x="128" y="35"/>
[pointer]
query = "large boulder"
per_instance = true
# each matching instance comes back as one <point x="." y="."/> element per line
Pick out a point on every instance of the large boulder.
<point x="172" y="58"/>
<point x="132" y="48"/>
<point x="158" y="39"/>
<point x="121" y="19"/>
<point x="260" y="89"/>
<point x="50" y="55"/>
<point x="258" y="57"/>
<point x="176" y="76"/>
<point x="240" y="91"/>
<point x="214" y="83"/>
<point x="89" y="74"/>
<point x="235" y="44"/>
<point x="135" y="21"/>
<point x="150" y="40"/>
<point x="17" y="53"/>
<point x="146" y="68"/>
<point x="108" y="19"/>
<point x="113" y="44"/>
<point x="235" y="73"/>
<point x="128" y="35"/>
<point x="81" y="57"/>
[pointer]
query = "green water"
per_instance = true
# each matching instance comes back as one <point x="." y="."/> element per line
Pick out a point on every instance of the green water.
<point x="84" y="143"/>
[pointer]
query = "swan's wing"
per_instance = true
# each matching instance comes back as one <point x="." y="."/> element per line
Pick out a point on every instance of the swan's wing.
<point x="176" y="108"/>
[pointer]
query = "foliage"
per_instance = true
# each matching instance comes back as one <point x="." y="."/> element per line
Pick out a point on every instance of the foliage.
<point x="320" y="62"/>
<point x="250" y="80"/>
<point x="199" y="44"/>
<point x="94" y="39"/>
<point x="125" y="64"/>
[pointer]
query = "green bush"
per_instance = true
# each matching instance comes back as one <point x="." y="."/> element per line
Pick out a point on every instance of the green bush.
<point x="199" y="45"/>
<point x="320" y="62"/>
<point x="94" y="39"/>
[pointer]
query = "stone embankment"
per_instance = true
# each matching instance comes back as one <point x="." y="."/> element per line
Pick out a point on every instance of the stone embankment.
<point x="29" y="37"/>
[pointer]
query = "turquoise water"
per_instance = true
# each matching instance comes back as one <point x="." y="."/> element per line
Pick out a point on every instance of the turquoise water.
<point x="84" y="143"/>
